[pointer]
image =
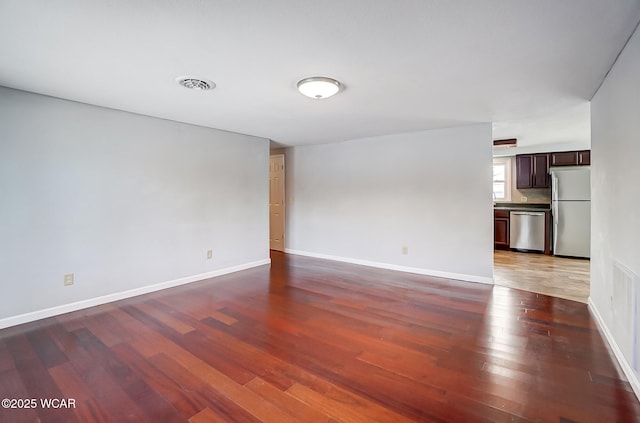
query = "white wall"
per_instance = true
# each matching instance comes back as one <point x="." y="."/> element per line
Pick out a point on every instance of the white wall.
<point x="363" y="200"/>
<point x="124" y="201"/>
<point x="615" y="178"/>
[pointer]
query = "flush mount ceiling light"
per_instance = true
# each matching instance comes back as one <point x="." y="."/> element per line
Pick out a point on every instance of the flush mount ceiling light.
<point x="195" y="83"/>
<point x="319" y="87"/>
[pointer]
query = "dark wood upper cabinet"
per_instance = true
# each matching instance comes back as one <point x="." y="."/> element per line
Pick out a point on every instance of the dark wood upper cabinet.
<point x="564" y="158"/>
<point x="571" y="158"/>
<point x="524" y="171"/>
<point x="540" y="171"/>
<point x="584" y="158"/>
<point x="532" y="171"/>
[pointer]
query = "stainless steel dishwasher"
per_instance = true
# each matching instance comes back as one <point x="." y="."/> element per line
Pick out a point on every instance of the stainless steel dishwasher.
<point x="526" y="230"/>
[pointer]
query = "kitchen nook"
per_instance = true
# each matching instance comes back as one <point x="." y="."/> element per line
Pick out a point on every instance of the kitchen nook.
<point x="542" y="203"/>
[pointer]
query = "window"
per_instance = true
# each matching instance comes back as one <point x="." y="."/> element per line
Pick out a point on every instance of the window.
<point x="502" y="179"/>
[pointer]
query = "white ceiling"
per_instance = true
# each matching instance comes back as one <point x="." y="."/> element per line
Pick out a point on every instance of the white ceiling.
<point x="529" y="66"/>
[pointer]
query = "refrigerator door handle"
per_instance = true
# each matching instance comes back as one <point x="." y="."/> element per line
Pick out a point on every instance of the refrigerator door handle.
<point x="554" y="211"/>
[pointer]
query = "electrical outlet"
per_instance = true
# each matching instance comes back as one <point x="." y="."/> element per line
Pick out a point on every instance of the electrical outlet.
<point x="68" y="279"/>
<point x="209" y="254"/>
<point x="523" y="199"/>
<point x="405" y="250"/>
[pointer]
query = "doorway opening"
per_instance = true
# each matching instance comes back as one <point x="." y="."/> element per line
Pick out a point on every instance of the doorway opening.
<point x="523" y="248"/>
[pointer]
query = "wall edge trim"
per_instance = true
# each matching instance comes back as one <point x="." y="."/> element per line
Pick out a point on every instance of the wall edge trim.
<point x="388" y="266"/>
<point x="91" y="302"/>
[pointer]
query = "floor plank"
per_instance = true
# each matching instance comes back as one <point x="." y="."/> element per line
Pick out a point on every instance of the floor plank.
<point x="309" y="340"/>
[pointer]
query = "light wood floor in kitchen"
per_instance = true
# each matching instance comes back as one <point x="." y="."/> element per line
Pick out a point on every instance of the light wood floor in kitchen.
<point x="556" y="276"/>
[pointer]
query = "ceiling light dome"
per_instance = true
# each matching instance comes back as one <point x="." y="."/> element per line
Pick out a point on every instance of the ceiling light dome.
<point x="319" y="87"/>
<point x="195" y="83"/>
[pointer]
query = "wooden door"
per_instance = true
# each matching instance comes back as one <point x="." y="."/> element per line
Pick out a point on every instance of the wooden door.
<point x="276" y="202"/>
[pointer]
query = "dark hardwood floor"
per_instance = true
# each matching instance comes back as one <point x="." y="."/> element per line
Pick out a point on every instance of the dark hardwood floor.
<point x="309" y="340"/>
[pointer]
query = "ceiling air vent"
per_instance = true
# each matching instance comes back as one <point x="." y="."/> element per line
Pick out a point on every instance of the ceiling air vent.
<point x="195" y="83"/>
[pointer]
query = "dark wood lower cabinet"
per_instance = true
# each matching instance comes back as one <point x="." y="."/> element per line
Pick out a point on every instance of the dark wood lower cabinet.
<point x="501" y="229"/>
<point x="547" y="232"/>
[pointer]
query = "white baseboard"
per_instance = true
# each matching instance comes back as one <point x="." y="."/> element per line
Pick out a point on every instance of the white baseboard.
<point x="66" y="308"/>
<point x="626" y="367"/>
<point x="417" y="270"/>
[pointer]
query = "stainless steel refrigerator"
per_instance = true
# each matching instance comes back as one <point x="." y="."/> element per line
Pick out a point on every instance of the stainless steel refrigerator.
<point x="571" y="209"/>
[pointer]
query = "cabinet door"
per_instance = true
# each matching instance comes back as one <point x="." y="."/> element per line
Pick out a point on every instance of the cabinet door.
<point x="541" y="171"/>
<point x="501" y="232"/>
<point x="564" y="158"/>
<point x="524" y="171"/>
<point x="584" y="157"/>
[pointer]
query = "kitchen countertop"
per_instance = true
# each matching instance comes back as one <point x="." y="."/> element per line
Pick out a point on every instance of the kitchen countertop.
<point x="521" y="206"/>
